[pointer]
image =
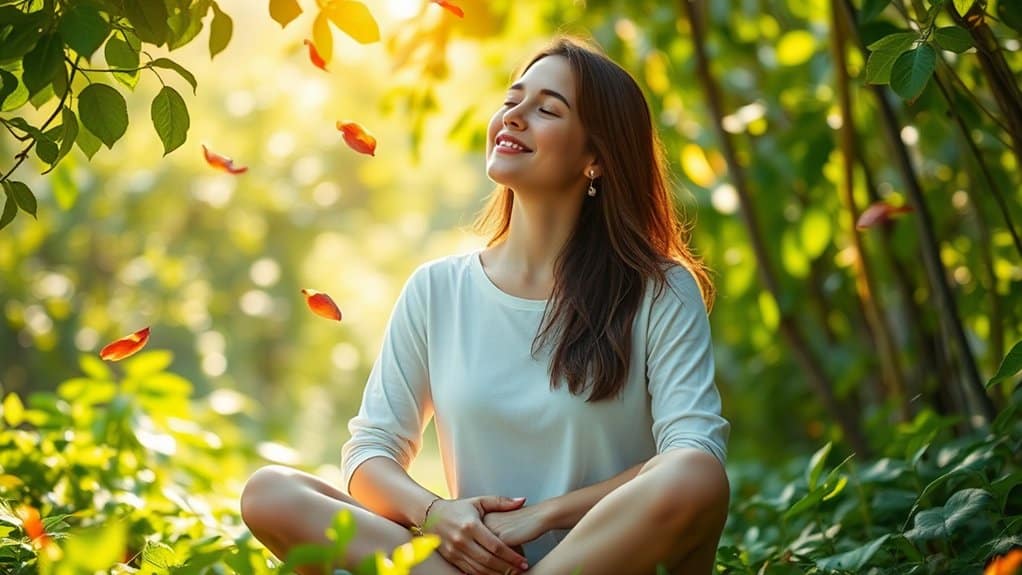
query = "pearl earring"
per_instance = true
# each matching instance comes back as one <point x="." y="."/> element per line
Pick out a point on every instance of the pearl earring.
<point x="592" y="188"/>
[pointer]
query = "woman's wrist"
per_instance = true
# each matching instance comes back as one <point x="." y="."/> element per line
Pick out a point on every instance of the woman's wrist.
<point x="551" y="514"/>
<point x="417" y="529"/>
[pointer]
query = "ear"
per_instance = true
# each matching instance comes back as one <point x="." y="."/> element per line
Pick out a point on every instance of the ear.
<point x="593" y="170"/>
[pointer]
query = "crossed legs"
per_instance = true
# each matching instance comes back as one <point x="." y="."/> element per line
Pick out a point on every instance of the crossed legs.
<point x="671" y="513"/>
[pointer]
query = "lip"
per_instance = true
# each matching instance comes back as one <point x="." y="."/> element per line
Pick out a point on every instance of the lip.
<point x="506" y="137"/>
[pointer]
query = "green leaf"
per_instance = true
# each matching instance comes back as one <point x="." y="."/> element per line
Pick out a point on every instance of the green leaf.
<point x="943" y="522"/>
<point x="14" y="410"/>
<point x="815" y="232"/>
<point x="883" y="54"/>
<point x="120" y="54"/>
<point x="64" y="189"/>
<point x="22" y="195"/>
<point x="10" y="210"/>
<point x="284" y="11"/>
<point x="853" y="560"/>
<point x="149" y="19"/>
<point x="104" y="112"/>
<point x="172" y="65"/>
<point x="816" y="463"/>
<point x="354" y="19"/>
<point x="8" y="84"/>
<point x="1009" y="13"/>
<point x="953" y="38"/>
<point x="415" y="551"/>
<point x="305" y="554"/>
<point x="69" y="125"/>
<point x="95" y="548"/>
<point x="186" y="24"/>
<point x="912" y="70"/>
<point x="148" y="363"/>
<point x="963" y="6"/>
<point x="19" y="96"/>
<point x="1010" y="365"/>
<point x="159" y="556"/>
<point x="220" y="31"/>
<point x="93" y="367"/>
<point x="87" y="142"/>
<point x="871" y="8"/>
<point x="170" y="118"/>
<point x="46" y="149"/>
<point x="83" y="28"/>
<point x="25" y="31"/>
<point x="42" y="63"/>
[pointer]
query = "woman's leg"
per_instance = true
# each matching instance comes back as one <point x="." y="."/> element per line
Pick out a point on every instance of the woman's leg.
<point x="284" y="507"/>
<point x="672" y="513"/>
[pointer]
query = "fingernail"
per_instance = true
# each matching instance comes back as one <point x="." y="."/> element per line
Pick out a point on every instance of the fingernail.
<point x="519" y="499"/>
<point x="524" y="566"/>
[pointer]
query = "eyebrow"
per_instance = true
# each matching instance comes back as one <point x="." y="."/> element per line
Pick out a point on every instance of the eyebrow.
<point x="544" y="91"/>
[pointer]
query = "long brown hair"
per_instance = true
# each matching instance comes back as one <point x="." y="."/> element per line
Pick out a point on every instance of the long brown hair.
<point x="624" y="237"/>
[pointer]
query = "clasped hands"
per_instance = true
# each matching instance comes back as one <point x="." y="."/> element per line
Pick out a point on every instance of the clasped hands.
<point x="484" y="535"/>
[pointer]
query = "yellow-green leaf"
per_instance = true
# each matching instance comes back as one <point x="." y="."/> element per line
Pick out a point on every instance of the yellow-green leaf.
<point x="14" y="410"/>
<point x="354" y="19"/>
<point x="284" y="11"/>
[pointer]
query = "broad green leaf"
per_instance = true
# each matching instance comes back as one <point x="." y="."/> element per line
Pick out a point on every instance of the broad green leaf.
<point x="59" y="83"/>
<point x="953" y="38"/>
<point x="83" y="28"/>
<point x="342" y="529"/>
<point x="87" y="391"/>
<point x="1009" y="13"/>
<point x="415" y="551"/>
<point x="792" y="255"/>
<point x="172" y="65"/>
<point x="159" y="556"/>
<point x="104" y="112"/>
<point x="853" y="560"/>
<point x="963" y="6"/>
<point x="768" y="310"/>
<point x="170" y="118"/>
<point x="46" y="148"/>
<point x="95" y="548"/>
<point x="149" y="20"/>
<point x="64" y="189"/>
<point x="93" y="367"/>
<point x="284" y="11"/>
<point x="220" y="31"/>
<point x="323" y="37"/>
<point x="87" y="142"/>
<point x="305" y="554"/>
<point x="912" y="70"/>
<point x="883" y="54"/>
<point x="8" y="84"/>
<point x="148" y="363"/>
<point x="25" y="31"/>
<point x="816" y="463"/>
<point x="14" y="410"/>
<point x="1010" y="365"/>
<point x="354" y="19"/>
<point x="871" y="8"/>
<point x="185" y="25"/>
<point x="19" y="96"/>
<point x="69" y="122"/>
<point x="42" y="62"/>
<point x="42" y="97"/>
<point x="10" y="210"/>
<point x="121" y="55"/>
<point x="22" y="195"/>
<point x="944" y="522"/>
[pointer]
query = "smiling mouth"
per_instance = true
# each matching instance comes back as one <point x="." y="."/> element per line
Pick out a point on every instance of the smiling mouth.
<point x="508" y="144"/>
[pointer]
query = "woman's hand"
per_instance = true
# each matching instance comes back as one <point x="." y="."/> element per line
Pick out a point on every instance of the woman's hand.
<point x="467" y="543"/>
<point x="518" y="526"/>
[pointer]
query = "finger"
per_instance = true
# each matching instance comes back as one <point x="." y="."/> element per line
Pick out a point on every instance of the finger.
<point x="476" y="568"/>
<point x="497" y="503"/>
<point x="502" y="554"/>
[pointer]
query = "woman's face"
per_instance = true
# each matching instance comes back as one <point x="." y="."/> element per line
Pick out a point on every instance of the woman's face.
<point x="536" y="140"/>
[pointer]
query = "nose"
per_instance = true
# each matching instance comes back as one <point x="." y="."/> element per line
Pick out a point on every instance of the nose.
<point x="512" y="118"/>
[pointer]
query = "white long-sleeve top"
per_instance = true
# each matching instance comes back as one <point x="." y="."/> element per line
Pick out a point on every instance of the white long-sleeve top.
<point x="458" y="348"/>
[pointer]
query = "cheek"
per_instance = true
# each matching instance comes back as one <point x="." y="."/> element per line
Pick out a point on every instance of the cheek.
<point x="492" y="129"/>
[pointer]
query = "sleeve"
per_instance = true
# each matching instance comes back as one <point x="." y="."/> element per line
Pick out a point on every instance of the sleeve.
<point x="685" y="402"/>
<point x="396" y="403"/>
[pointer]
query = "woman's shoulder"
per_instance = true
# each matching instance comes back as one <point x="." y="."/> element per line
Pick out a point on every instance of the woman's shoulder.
<point x="678" y="288"/>
<point x="443" y="270"/>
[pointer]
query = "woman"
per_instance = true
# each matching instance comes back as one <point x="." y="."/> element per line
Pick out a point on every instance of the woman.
<point x="568" y="364"/>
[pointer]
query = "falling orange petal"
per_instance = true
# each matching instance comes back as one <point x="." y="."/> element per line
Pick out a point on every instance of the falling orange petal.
<point x="1007" y="564"/>
<point x="879" y="212"/>
<point x="126" y="346"/>
<point x="222" y="162"/>
<point x="33" y="526"/>
<point x="317" y="60"/>
<point x="450" y="7"/>
<point x="321" y="304"/>
<point x="357" y="137"/>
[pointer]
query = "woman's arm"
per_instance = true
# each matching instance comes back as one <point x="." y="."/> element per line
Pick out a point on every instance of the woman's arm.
<point x="384" y="487"/>
<point x="565" y="511"/>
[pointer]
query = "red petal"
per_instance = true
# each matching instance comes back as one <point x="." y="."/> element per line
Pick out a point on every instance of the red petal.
<point x="222" y="162"/>
<point x="450" y="7"/>
<point x="321" y="304"/>
<point x="879" y="212"/>
<point x="317" y="60"/>
<point x="1008" y="564"/>
<point x="357" y="138"/>
<point x="126" y="346"/>
<point x="33" y="525"/>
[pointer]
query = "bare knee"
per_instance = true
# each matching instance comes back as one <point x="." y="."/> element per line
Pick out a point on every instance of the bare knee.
<point x="692" y="492"/>
<point x="270" y="491"/>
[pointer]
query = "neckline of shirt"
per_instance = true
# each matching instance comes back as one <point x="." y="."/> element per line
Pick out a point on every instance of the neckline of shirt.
<point x="494" y="292"/>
